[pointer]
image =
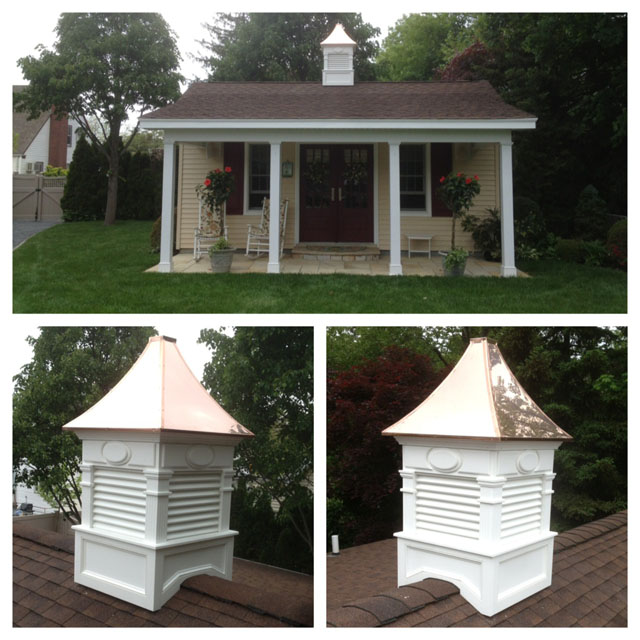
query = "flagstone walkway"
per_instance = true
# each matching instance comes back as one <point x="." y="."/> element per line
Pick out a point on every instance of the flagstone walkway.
<point x="414" y="266"/>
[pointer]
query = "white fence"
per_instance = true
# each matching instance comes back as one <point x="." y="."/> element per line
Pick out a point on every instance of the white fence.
<point x="37" y="197"/>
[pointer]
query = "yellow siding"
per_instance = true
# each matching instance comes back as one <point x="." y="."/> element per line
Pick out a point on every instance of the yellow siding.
<point x="196" y="159"/>
<point x="194" y="166"/>
<point x="480" y="159"/>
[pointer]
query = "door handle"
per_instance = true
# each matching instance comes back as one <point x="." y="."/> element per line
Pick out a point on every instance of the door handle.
<point x="339" y="194"/>
<point x="333" y="194"/>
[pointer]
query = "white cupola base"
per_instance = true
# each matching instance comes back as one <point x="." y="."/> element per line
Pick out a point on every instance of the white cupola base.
<point x="157" y="470"/>
<point x="477" y="474"/>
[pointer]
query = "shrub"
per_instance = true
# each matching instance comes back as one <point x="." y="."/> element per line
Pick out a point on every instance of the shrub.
<point x="570" y="250"/>
<point x="485" y="233"/>
<point x="54" y="172"/>
<point x="590" y="215"/>
<point x="617" y="243"/>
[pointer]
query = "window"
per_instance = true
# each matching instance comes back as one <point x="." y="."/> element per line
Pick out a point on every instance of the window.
<point x="259" y="174"/>
<point x="413" y="192"/>
<point x="69" y="135"/>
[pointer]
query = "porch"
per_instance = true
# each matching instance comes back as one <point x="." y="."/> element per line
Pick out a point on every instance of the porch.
<point x="329" y="264"/>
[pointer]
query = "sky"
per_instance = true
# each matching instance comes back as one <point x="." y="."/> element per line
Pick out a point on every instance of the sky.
<point x="186" y="23"/>
<point x="184" y="329"/>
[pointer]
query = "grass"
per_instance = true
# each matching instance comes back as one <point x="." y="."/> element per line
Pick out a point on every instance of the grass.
<point x="86" y="267"/>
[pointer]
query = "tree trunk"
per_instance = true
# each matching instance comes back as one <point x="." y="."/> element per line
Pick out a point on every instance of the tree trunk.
<point x="114" y="170"/>
<point x="453" y="230"/>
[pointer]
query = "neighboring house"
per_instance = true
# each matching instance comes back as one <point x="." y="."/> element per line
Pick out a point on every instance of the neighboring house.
<point x="588" y="589"/>
<point x="359" y="162"/>
<point x="42" y="141"/>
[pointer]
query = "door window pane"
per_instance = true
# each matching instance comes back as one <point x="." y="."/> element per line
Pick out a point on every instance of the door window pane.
<point x="259" y="174"/>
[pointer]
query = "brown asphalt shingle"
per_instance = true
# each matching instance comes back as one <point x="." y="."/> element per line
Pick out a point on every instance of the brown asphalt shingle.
<point x="45" y="594"/>
<point x="363" y="100"/>
<point x="589" y="587"/>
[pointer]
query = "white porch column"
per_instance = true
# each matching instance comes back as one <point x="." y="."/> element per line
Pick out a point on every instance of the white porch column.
<point x="274" y="219"/>
<point x="395" y="264"/>
<point x="506" y="197"/>
<point x="166" y="234"/>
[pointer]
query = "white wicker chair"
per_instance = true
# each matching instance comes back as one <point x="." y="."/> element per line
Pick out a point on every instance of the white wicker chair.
<point x="258" y="235"/>
<point x="211" y="227"/>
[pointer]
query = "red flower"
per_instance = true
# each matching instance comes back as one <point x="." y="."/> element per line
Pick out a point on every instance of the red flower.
<point x="476" y="178"/>
<point x="442" y="179"/>
<point x="458" y="174"/>
<point x="468" y="180"/>
<point x="227" y="169"/>
<point x="217" y="171"/>
<point x="207" y="182"/>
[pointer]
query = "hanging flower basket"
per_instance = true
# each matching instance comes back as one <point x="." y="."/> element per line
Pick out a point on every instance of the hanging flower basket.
<point x="216" y="188"/>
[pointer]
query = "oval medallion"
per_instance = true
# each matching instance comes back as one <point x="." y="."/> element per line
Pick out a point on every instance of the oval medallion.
<point x="527" y="461"/>
<point x="116" y="452"/>
<point x="199" y="456"/>
<point x="444" y="460"/>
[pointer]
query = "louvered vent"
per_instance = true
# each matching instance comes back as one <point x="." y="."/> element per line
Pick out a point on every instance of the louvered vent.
<point x="119" y="501"/>
<point x="521" y="506"/>
<point x="339" y="62"/>
<point x="194" y="504"/>
<point x="448" y="505"/>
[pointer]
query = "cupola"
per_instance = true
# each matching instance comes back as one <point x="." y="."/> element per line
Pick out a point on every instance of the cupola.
<point x="337" y="51"/>
<point x="157" y="469"/>
<point x="477" y="472"/>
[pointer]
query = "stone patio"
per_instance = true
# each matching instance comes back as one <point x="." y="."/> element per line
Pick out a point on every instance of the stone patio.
<point x="414" y="266"/>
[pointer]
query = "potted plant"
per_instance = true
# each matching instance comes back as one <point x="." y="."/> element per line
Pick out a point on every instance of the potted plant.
<point x="457" y="192"/>
<point x="221" y="254"/>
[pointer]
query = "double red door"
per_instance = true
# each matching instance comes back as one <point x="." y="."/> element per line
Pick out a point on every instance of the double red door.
<point x="336" y="193"/>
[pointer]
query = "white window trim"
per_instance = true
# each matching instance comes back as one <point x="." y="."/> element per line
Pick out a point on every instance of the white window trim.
<point x="245" y="206"/>
<point x="420" y="213"/>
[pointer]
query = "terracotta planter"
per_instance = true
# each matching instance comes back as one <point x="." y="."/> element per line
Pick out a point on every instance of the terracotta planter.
<point x="221" y="260"/>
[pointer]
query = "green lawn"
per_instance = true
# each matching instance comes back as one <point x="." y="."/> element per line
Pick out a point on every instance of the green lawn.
<point x="85" y="267"/>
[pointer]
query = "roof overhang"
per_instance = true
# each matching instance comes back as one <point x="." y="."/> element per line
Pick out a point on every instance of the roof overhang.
<point x="324" y="124"/>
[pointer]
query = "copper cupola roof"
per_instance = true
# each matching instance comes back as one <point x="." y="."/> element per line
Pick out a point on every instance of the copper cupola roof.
<point x="159" y="393"/>
<point x="480" y="398"/>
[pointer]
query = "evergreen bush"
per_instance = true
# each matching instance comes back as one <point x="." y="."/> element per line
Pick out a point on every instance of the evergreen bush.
<point x="590" y="215"/>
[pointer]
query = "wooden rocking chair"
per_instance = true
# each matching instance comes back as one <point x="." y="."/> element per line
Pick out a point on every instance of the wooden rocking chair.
<point x="258" y="235"/>
<point x="211" y="227"/>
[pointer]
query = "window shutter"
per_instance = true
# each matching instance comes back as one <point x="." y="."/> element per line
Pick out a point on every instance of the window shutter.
<point x="441" y="165"/>
<point x="234" y="158"/>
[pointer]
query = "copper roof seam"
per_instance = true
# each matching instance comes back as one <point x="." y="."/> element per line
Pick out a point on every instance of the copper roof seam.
<point x="492" y="398"/>
<point x="163" y="370"/>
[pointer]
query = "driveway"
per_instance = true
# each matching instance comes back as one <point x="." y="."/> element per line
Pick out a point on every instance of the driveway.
<point x="24" y="229"/>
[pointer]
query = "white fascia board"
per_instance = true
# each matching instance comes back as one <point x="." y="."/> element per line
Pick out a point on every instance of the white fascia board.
<point x="337" y="136"/>
<point x="396" y="125"/>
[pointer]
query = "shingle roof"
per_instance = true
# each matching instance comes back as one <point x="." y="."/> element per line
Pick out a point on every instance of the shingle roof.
<point x="589" y="587"/>
<point x="363" y="100"/>
<point x="45" y="594"/>
<point x="26" y="129"/>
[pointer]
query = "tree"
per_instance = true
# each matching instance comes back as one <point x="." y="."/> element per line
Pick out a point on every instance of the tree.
<point x="570" y="70"/>
<point x="72" y="368"/>
<point x="363" y="498"/>
<point x="102" y="67"/>
<point x="263" y="376"/>
<point x="281" y="46"/>
<point x="419" y="44"/>
<point x="577" y="375"/>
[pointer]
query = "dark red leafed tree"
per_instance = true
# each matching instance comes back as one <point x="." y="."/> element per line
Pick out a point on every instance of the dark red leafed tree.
<point x="466" y="65"/>
<point x="364" y="502"/>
